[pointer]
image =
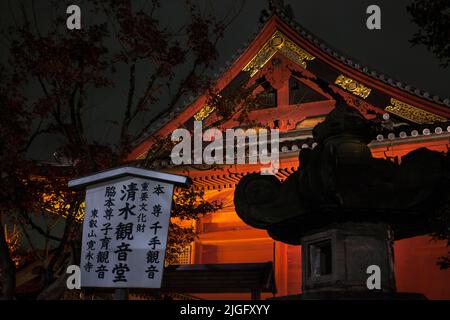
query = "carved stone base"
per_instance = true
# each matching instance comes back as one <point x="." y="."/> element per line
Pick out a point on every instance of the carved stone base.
<point x="337" y="259"/>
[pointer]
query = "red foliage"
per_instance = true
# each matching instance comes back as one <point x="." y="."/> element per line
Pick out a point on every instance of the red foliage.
<point x="47" y="87"/>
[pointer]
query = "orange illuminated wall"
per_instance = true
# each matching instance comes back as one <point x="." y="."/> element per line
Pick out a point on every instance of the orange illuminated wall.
<point x="416" y="269"/>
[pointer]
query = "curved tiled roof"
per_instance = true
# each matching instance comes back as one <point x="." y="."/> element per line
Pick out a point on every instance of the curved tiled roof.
<point x="315" y="41"/>
<point x="323" y="46"/>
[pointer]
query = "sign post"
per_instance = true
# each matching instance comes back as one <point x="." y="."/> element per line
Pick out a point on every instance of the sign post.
<point x="125" y="228"/>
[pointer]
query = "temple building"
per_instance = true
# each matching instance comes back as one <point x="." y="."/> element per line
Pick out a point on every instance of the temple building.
<point x="273" y="62"/>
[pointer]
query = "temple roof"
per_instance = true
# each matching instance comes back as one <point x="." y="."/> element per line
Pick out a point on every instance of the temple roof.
<point x="364" y="85"/>
<point x="354" y="63"/>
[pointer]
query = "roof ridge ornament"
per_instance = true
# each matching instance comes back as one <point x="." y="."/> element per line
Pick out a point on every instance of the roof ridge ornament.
<point x="278" y="6"/>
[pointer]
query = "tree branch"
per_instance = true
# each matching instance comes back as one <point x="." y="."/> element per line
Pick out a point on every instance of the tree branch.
<point x="30" y="221"/>
<point x="127" y="116"/>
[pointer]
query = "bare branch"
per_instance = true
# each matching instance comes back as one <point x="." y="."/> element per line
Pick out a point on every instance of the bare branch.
<point x="30" y="221"/>
<point x="127" y="116"/>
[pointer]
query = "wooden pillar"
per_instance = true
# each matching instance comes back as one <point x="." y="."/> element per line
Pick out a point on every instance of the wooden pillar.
<point x="283" y="100"/>
<point x="301" y="270"/>
<point x="121" y="294"/>
<point x="281" y="268"/>
<point x="283" y="94"/>
<point x="256" y="294"/>
<point x="198" y="252"/>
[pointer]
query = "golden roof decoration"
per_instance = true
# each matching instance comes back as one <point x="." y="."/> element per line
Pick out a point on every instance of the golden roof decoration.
<point x="353" y="86"/>
<point x="278" y="43"/>
<point x="412" y="113"/>
<point x="204" y="112"/>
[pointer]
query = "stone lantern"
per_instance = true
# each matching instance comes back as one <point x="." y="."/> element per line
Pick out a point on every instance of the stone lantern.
<point x="346" y="208"/>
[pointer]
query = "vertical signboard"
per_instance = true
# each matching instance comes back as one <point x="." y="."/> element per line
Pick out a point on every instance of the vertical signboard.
<point x="125" y="233"/>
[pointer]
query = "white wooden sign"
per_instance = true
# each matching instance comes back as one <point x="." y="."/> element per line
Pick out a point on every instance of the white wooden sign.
<point x="125" y="231"/>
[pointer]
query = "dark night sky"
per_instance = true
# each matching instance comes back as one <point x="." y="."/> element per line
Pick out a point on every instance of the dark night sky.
<point x="341" y="24"/>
